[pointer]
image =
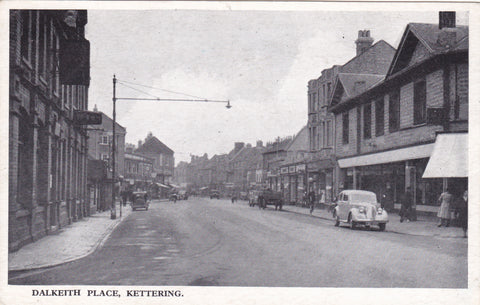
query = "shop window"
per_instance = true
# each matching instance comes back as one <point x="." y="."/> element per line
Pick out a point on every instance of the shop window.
<point x="379" y="117"/>
<point x="419" y="102"/>
<point x="394" y="111"/>
<point x="345" y="129"/>
<point x="367" y="121"/>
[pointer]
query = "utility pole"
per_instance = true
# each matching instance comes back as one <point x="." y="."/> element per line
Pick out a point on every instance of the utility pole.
<point x="113" y="212"/>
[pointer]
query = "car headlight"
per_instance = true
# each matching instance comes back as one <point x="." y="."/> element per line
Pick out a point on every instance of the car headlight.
<point x="379" y="211"/>
<point x="362" y="210"/>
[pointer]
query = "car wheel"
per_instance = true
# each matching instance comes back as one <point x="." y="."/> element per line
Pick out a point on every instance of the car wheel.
<point x="353" y="224"/>
<point x="337" y="219"/>
<point x="382" y="226"/>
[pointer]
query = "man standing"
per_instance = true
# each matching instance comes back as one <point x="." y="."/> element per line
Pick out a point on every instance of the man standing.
<point x="406" y="205"/>
<point x="311" y="200"/>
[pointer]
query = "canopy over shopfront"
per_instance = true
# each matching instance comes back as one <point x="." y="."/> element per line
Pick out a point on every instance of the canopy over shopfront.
<point x="402" y="154"/>
<point x="162" y="185"/>
<point x="449" y="158"/>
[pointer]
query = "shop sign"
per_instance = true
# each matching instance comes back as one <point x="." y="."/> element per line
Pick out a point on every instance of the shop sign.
<point x="284" y="170"/>
<point x="301" y="168"/>
<point x="291" y="169"/>
<point x="87" y="117"/>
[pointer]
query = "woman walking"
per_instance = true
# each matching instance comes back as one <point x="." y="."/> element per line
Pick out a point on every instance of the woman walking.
<point x="463" y="213"/>
<point x="445" y="200"/>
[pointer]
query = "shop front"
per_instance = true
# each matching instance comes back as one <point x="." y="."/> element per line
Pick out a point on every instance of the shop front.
<point x="320" y="180"/>
<point x="389" y="180"/>
<point x="293" y="177"/>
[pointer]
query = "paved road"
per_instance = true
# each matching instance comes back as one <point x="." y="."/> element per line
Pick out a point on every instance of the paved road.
<point x="213" y="242"/>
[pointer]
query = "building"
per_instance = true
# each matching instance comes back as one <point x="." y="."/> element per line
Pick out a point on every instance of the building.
<point x="138" y="171"/>
<point x="100" y="148"/>
<point x="163" y="163"/>
<point x="244" y="165"/>
<point x="47" y="145"/>
<point x="368" y="67"/>
<point x="293" y="169"/>
<point x="273" y="157"/>
<point x="386" y="132"/>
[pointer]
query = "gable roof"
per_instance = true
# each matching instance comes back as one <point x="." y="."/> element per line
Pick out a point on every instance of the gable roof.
<point x="374" y="60"/>
<point x="278" y="145"/>
<point x="154" y="145"/>
<point x="300" y="139"/>
<point x="346" y="85"/>
<point x="435" y="40"/>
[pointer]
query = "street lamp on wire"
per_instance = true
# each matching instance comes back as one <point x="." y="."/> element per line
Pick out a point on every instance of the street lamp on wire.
<point x="113" y="214"/>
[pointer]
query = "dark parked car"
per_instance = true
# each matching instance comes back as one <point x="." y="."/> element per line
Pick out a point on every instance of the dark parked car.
<point x="269" y="197"/>
<point x="139" y="200"/>
<point x="182" y="195"/>
<point x="214" y="194"/>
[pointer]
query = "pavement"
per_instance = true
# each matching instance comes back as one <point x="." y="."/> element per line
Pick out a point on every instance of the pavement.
<point x="423" y="226"/>
<point x="70" y="243"/>
<point x="83" y="237"/>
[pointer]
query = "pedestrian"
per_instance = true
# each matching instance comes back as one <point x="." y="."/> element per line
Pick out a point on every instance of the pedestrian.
<point x="311" y="200"/>
<point x="406" y="205"/>
<point x="463" y="212"/>
<point x="445" y="200"/>
<point x="124" y="198"/>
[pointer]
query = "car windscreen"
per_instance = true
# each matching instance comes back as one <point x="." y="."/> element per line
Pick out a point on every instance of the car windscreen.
<point x="372" y="198"/>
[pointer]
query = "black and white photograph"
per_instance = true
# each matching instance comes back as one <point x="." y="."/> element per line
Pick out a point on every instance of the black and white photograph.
<point x="162" y="152"/>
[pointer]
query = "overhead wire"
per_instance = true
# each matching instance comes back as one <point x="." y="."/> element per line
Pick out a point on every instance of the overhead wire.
<point x="170" y="91"/>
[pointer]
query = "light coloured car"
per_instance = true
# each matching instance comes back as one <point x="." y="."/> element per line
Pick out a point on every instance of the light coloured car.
<point x="356" y="207"/>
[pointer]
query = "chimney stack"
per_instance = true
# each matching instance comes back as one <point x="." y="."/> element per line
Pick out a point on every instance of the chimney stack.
<point x="364" y="41"/>
<point x="446" y="20"/>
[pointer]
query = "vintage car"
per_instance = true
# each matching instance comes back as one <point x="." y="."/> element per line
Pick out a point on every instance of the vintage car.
<point x="182" y="195"/>
<point x="243" y="196"/>
<point x="357" y="207"/>
<point x="139" y="201"/>
<point x="214" y="194"/>
<point x="173" y="196"/>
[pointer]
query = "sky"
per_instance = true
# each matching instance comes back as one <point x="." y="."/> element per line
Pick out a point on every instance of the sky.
<point x="259" y="60"/>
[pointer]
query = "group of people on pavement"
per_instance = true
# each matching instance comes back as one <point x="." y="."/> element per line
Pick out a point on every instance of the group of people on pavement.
<point x="449" y="204"/>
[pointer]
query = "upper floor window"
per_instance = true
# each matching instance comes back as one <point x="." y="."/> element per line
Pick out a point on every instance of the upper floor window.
<point x="419" y="102"/>
<point x="329" y="89"/>
<point x="104" y="140"/>
<point x="329" y="133"/>
<point x="25" y="43"/>
<point x="345" y="129"/>
<point x="379" y="117"/>
<point x="42" y="45"/>
<point x="367" y="121"/>
<point x="394" y="111"/>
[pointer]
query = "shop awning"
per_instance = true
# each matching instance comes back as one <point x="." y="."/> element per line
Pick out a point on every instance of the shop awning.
<point x="162" y="185"/>
<point x="449" y="158"/>
<point x="204" y="188"/>
<point x="174" y="185"/>
<point x="402" y="154"/>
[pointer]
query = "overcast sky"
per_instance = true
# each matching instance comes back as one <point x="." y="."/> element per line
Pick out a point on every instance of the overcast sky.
<point x="259" y="60"/>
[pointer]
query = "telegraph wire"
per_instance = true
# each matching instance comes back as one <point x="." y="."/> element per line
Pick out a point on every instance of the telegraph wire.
<point x="170" y="91"/>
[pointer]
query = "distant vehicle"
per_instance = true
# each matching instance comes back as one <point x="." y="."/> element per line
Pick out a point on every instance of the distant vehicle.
<point x="139" y="201"/>
<point x="182" y="195"/>
<point x="357" y="207"/>
<point x="243" y="196"/>
<point x="269" y="197"/>
<point x="253" y="198"/>
<point x="173" y="197"/>
<point x="214" y="194"/>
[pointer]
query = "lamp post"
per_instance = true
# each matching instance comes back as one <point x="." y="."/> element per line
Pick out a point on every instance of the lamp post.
<point x="113" y="214"/>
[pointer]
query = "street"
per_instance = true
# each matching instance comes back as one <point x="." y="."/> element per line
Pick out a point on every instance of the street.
<point x="211" y="242"/>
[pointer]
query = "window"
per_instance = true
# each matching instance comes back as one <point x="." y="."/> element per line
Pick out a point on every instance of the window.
<point x="315" y="145"/>
<point x="394" y="111"/>
<point x="324" y="95"/>
<point x="419" y="102"/>
<point x="314" y="101"/>
<point x="25" y="40"/>
<point x="104" y="140"/>
<point x="321" y="135"/>
<point x="367" y="121"/>
<point x="42" y="45"/>
<point x="104" y="157"/>
<point x="379" y="117"/>
<point x="329" y="89"/>
<point x="329" y="134"/>
<point x="345" y="131"/>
